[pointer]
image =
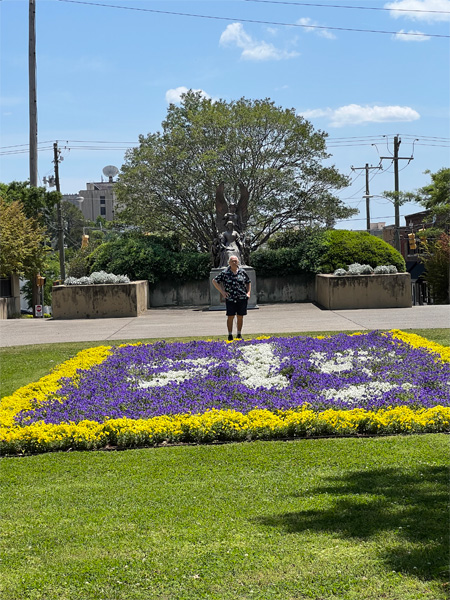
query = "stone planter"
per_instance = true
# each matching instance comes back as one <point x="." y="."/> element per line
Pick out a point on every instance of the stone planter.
<point x="10" y="303"/>
<point x="364" y="291"/>
<point x="99" y="300"/>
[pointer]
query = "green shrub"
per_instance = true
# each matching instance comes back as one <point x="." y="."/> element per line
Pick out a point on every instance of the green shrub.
<point x="151" y="257"/>
<point x="437" y="266"/>
<point x="79" y="264"/>
<point x="290" y="252"/>
<point x="318" y="251"/>
<point x="342" y="248"/>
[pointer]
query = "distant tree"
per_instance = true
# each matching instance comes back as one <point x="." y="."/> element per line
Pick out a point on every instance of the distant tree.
<point x="22" y="240"/>
<point x="436" y="258"/>
<point x="73" y="224"/>
<point x="37" y="202"/>
<point x="436" y="195"/>
<point x="168" y="183"/>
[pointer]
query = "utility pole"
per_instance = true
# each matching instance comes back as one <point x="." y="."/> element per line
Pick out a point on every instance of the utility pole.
<point x="62" y="266"/>
<point x="32" y="92"/>
<point x="395" y="158"/>
<point x="367" y="195"/>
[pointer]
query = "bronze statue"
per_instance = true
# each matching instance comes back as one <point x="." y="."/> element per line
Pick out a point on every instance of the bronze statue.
<point x="237" y="213"/>
<point x="230" y="245"/>
<point x="231" y="223"/>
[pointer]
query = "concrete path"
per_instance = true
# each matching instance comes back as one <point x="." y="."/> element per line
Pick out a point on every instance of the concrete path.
<point x="196" y="321"/>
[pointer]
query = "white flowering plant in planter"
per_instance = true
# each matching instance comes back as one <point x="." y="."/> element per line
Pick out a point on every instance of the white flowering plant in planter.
<point x="357" y="269"/>
<point x="98" y="277"/>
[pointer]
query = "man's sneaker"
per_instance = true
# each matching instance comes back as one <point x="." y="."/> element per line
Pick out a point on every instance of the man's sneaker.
<point x="239" y="336"/>
<point x="230" y="337"/>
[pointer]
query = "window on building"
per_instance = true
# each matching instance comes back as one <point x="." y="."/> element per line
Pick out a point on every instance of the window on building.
<point x="103" y="211"/>
<point x="102" y="200"/>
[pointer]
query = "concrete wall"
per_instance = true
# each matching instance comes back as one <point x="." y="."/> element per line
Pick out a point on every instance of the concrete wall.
<point x="169" y="293"/>
<point x="364" y="291"/>
<point x="296" y="288"/>
<point x="99" y="301"/>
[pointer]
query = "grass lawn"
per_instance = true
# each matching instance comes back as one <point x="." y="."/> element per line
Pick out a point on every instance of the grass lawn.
<point x="325" y="519"/>
<point x="317" y="519"/>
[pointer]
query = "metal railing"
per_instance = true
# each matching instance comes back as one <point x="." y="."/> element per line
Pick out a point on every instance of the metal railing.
<point x="420" y="293"/>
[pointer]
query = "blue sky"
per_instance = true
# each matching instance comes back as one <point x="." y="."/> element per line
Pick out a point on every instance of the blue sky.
<point x="107" y="69"/>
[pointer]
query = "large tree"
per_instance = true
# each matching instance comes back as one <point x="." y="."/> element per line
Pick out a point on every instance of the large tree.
<point x="168" y="182"/>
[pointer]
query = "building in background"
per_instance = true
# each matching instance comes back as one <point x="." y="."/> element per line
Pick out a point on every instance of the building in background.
<point x="98" y="199"/>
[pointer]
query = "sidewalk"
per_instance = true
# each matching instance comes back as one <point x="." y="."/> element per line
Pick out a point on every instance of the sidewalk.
<point x="196" y="321"/>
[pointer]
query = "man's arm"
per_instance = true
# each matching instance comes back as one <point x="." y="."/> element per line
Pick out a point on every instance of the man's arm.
<point x="249" y="289"/>
<point x="220" y="288"/>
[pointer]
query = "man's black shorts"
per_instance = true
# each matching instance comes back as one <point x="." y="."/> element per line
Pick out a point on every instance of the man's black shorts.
<point x="239" y="307"/>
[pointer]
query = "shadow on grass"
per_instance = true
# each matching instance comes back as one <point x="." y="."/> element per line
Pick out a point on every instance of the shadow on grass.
<point x="412" y="508"/>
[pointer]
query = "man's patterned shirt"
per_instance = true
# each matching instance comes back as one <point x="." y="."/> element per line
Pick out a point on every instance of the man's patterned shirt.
<point x="234" y="284"/>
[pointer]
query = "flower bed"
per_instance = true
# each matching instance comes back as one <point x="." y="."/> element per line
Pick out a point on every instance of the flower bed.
<point x="138" y="394"/>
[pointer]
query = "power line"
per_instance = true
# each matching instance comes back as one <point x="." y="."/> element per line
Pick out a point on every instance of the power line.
<point x="108" y="145"/>
<point x="408" y="10"/>
<point x="259" y="21"/>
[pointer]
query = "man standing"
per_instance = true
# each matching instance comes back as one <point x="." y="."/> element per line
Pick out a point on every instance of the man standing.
<point x="234" y="285"/>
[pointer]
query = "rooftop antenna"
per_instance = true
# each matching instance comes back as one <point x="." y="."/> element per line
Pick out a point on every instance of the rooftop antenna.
<point x="110" y="171"/>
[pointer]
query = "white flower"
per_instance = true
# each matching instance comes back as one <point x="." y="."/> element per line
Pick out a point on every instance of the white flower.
<point x="353" y="394"/>
<point x="258" y="370"/>
<point x="196" y="366"/>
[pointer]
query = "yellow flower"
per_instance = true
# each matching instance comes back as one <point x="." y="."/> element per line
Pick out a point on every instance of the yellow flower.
<point x="417" y="341"/>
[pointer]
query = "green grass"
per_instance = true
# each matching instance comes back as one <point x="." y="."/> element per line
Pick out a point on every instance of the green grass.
<point x="341" y="519"/>
<point x="20" y="365"/>
<point x="329" y="519"/>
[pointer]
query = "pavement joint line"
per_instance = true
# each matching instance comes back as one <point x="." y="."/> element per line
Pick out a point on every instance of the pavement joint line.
<point x="117" y="330"/>
<point x="350" y="320"/>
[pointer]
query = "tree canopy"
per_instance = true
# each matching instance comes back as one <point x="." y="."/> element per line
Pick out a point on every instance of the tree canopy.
<point x="22" y="240"/>
<point x="168" y="182"/>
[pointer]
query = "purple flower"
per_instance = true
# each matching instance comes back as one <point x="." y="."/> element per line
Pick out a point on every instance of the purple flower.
<point x="370" y="371"/>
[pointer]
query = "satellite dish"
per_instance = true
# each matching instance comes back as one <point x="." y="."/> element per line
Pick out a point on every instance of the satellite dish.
<point x="110" y="171"/>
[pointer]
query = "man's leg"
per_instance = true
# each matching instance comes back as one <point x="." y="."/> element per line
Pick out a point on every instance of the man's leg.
<point x="240" y="320"/>
<point x="230" y="324"/>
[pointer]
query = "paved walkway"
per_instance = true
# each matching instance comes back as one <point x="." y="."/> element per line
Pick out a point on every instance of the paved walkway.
<point x="196" y="321"/>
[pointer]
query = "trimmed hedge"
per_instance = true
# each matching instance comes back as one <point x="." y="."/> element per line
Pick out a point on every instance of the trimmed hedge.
<point x="343" y="248"/>
<point x="315" y="251"/>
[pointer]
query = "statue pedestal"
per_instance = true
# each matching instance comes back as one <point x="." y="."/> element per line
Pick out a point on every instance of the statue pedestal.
<point x="216" y="300"/>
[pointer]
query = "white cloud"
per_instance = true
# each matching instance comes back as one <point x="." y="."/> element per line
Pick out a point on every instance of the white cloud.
<point x="235" y="35"/>
<point x="354" y="114"/>
<point x="314" y="27"/>
<point x="316" y="113"/>
<point x="173" y="96"/>
<point x="403" y="36"/>
<point x="420" y="5"/>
